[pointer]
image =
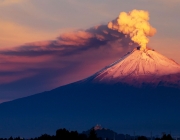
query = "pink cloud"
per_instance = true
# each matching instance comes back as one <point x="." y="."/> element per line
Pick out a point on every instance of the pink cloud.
<point x="73" y="56"/>
<point x="74" y="38"/>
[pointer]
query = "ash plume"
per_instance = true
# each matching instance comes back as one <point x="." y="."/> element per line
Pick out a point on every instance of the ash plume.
<point x="48" y="64"/>
<point x="135" y="24"/>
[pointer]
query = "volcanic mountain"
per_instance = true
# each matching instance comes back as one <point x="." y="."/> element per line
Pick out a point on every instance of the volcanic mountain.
<point x="140" y="67"/>
<point x="139" y="92"/>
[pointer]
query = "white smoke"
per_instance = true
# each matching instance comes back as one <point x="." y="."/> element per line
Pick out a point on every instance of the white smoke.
<point x="135" y="24"/>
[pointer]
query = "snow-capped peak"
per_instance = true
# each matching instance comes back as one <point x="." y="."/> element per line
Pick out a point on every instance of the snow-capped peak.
<point x="139" y="67"/>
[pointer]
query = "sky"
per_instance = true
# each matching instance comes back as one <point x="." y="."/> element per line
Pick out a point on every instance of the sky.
<point x="50" y="43"/>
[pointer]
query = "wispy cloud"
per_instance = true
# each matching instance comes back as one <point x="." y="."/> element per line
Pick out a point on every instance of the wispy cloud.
<point x="171" y="1"/>
<point x="10" y="2"/>
<point x="68" y="58"/>
<point x="13" y="34"/>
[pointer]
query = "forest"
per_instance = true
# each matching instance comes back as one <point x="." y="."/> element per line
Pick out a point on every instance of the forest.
<point x="64" y="134"/>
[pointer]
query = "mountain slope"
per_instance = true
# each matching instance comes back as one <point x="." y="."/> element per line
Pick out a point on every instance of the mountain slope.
<point x="110" y="97"/>
<point x="137" y="67"/>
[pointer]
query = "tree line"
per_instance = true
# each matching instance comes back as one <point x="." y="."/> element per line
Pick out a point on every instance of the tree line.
<point x="63" y="134"/>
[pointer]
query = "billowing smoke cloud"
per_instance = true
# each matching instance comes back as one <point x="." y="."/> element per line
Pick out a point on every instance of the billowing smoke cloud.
<point x="40" y="66"/>
<point x="135" y="24"/>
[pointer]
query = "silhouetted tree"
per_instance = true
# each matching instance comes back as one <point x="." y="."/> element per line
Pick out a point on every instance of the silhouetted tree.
<point x="11" y="138"/>
<point x="3" y="138"/>
<point x="157" y="139"/>
<point x="92" y="135"/>
<point x="18" y="138"/>
<point x="142" y="138"/>
<point x="62" y="134"/>
<point x="73" y="135"/>
<point x="166" y="137"/>
<point x="45" y="137"/>
<point x="82" y="137"/>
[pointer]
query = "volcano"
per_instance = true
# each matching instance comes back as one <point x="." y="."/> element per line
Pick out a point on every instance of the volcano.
<point x="139" y="92"/>
<point x="139" y="68"/>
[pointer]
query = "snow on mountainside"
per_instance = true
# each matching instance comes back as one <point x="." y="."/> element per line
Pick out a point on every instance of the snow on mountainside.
<point x="140" y="67"/>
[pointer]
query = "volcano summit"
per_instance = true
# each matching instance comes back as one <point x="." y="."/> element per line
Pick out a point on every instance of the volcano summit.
<point x="139" y="92"/>
<point x="139" y="68"/>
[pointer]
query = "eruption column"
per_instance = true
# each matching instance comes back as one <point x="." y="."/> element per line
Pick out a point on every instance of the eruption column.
<point x="135" y="24"/>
